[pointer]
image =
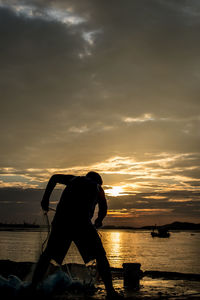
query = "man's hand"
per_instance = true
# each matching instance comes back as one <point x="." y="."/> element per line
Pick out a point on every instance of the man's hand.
<point x="98" y="223"/>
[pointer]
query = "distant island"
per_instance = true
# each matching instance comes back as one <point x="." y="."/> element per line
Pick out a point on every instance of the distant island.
<point x="173" y="226"/>
<point x="6" y="226"/>
<point x="169" y="227"/>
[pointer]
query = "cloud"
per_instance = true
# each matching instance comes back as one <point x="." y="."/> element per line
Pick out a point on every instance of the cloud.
<point x="151" y="208"/>
<point x="123" y="175"/>
<point x="78" y="130"/>
<point x="19" y="204"/>
<point x="180" y="200"/>
<point x="144" y="118"/>
<point x="135" y="189"/>
<point x="143" y="76"/>
<point x="108" y="85"/>
<point x="32" y="11"/>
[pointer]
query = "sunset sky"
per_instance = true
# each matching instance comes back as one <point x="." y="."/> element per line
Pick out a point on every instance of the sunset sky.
<point x="110" y="86"/>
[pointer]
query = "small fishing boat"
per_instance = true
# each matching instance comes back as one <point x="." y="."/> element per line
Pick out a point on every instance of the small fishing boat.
<point x="161" y="233"/>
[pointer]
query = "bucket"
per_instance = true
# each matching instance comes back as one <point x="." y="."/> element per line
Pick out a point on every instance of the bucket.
<point x="131" y="272"/>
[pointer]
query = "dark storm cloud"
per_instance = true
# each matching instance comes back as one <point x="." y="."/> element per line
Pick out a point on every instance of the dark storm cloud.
<point x="145" y="52"/>
<point x="41" y="78"/>
<point x="143" y="60"/>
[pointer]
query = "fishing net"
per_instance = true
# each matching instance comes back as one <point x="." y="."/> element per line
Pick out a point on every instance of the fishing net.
<point x="73" y="263"/>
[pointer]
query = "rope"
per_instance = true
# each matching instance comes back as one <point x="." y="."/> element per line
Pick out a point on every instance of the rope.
<point x="47" y="237"/>
<point x="48" y="228"/>
<point x="53" y="209"/>
<point x="48" y="233"/>
<point x="100" y="235"/>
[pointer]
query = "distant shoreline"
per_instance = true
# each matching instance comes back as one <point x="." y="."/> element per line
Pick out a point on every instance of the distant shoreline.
<point x="173" y="226"/>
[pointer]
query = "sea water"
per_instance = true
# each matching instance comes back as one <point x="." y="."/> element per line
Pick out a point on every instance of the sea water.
<point x="179" y="253"/>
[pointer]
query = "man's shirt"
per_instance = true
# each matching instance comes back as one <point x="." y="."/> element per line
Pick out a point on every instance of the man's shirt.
<point x="78" y="200"/>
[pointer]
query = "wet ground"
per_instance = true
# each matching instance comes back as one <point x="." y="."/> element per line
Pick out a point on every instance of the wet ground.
<point x="151" y="289"/>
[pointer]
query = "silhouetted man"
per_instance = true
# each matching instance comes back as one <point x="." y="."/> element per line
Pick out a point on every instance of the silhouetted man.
<point x="72" y="222"/>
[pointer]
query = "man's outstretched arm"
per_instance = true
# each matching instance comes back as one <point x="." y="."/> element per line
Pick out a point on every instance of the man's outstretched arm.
<point x="102" y="203"/>
<point x="57" y="178"/>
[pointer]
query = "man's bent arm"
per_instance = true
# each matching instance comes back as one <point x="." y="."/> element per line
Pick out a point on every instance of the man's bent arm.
<point x="102" y="203"/>
<point x="57" y="178"/>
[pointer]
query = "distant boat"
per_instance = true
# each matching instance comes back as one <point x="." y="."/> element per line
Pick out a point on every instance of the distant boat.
<point x="161" y="233"/>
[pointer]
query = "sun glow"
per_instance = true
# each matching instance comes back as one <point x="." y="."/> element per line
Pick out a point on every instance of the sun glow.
<point x="115" y="191"/>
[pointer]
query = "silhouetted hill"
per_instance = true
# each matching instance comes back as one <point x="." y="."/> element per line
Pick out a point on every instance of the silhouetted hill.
<point x="182" y="226"/>
<point x="172" y="226"/>
<point x="177" y="226"/>
<point x="18" y="226"/>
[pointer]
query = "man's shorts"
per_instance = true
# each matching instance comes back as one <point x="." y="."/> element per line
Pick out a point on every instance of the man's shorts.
<point x="85" y="237"/>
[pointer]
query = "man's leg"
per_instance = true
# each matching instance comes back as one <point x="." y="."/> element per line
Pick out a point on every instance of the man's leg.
<point x="90" y="247"/>
<point x="104" y="271"/>
<point x="41" y="268"/>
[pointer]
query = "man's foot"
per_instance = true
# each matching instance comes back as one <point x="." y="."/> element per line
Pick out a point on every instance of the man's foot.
<point x="28" y="291"/>
<point x="114" y="295"/>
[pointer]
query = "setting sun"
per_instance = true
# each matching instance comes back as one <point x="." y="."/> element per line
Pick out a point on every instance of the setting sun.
<point x="115" y="191"/>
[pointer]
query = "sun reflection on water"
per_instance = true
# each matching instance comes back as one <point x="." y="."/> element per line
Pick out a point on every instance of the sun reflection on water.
<point x="121" y="247"/>
<point x="115" y="238"/>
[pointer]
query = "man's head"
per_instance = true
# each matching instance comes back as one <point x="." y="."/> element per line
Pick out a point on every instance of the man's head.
<point x="95" y="176"/>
